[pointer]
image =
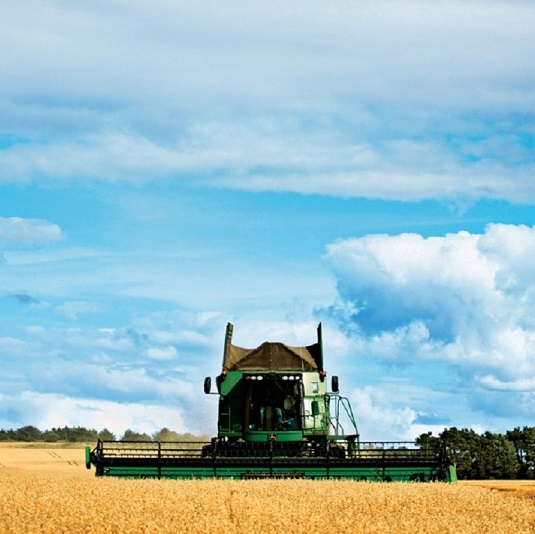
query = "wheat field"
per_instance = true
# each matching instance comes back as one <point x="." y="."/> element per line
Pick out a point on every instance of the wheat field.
<point x="50" y="490"/>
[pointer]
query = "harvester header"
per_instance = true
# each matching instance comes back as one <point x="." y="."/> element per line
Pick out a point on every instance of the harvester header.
<point x="277" y="418"/>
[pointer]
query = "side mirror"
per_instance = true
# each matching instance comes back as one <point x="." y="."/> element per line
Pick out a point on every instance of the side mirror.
<point x="334" y="384"/>
<point x="207" y="385"/>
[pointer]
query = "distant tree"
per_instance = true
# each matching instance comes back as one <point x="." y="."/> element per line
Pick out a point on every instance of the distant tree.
<point x="428" y="442"/>
<point x="170" y="435"/>
<point x="516" y="437"/>
<point x="187" y="436"/>
<point x="524" y="444"/>
<point x="130" y="435"/>
<point x="28" y="433"/>
<point x="82" y="434"/>
<point x="50" y="436"/>
<point x="461" y="447"/>
<point x="529" y="440"/>
<point x="106" y="435"/>
<point x="76" y="434"/>
<point x="496" y="458"/>
<point x="64" y="434"/>
<point x="6" y="435"/>
<point x="166" y="435"/>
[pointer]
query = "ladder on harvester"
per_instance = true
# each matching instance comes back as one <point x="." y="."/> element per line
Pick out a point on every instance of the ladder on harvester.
<point x="336" y="402"/>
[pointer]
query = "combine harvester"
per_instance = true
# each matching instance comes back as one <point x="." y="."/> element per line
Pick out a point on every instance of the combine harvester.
<point x="276" y="420"/>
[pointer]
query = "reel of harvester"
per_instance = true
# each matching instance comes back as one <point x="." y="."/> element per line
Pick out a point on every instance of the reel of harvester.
<point x="276" y="420"/>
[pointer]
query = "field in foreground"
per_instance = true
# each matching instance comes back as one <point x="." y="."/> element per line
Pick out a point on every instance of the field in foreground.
<point x="49" y="490"/>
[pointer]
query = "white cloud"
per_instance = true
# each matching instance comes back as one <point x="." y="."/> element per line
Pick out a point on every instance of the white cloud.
<point x="259" y="157"/>
<point x="304" y="49"/>
<point x="378" y="419"/>
<point x="307" y="98"/>
<point x="463" y="300"/>
<point x="162" y="353"/>
<point x="526" y="384"/>
<point x="112" y="377"/>
<point x="53" y="410"/>
<point x="138" y="383"/>
<point x="19" y="230"/>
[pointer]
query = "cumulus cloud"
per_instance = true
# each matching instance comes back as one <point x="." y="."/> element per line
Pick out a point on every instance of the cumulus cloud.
<point x="378" y="419"/>
<point x="464" y="300"/>
<point x="19" y="230"/>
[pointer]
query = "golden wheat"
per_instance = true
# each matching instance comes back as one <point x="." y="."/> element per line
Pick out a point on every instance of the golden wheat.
<point x="70" y="499"/>
<point x="44" y="502"/>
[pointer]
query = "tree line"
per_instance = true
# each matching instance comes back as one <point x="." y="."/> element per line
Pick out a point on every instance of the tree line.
<point x="488" y="455"/>
<point x="85" y="435"/>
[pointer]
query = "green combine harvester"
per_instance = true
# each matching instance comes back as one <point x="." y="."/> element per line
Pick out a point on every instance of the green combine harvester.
<point x="277" y="419"/>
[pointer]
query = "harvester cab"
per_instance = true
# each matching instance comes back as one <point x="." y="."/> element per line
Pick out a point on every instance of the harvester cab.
<point x="276" y="419"/>
<point x="273" y="393"/>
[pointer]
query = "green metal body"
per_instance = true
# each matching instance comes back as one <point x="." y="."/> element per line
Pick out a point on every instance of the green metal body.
<point x="374" y="462"/>
<point x="259" y="406"/>
<point x="276" y="419"/>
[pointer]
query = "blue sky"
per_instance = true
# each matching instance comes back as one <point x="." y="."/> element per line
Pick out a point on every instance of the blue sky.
<point x="167" y="169"/>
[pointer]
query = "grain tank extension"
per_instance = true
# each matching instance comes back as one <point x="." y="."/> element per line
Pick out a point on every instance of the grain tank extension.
<point x="277" y="419"/>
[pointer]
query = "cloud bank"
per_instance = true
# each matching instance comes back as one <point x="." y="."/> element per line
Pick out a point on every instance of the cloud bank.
<point x="464" y="301"/>
<point x="399" y="100"/>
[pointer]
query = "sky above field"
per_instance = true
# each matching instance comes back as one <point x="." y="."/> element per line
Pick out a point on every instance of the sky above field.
<point x="168" y="167"/>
